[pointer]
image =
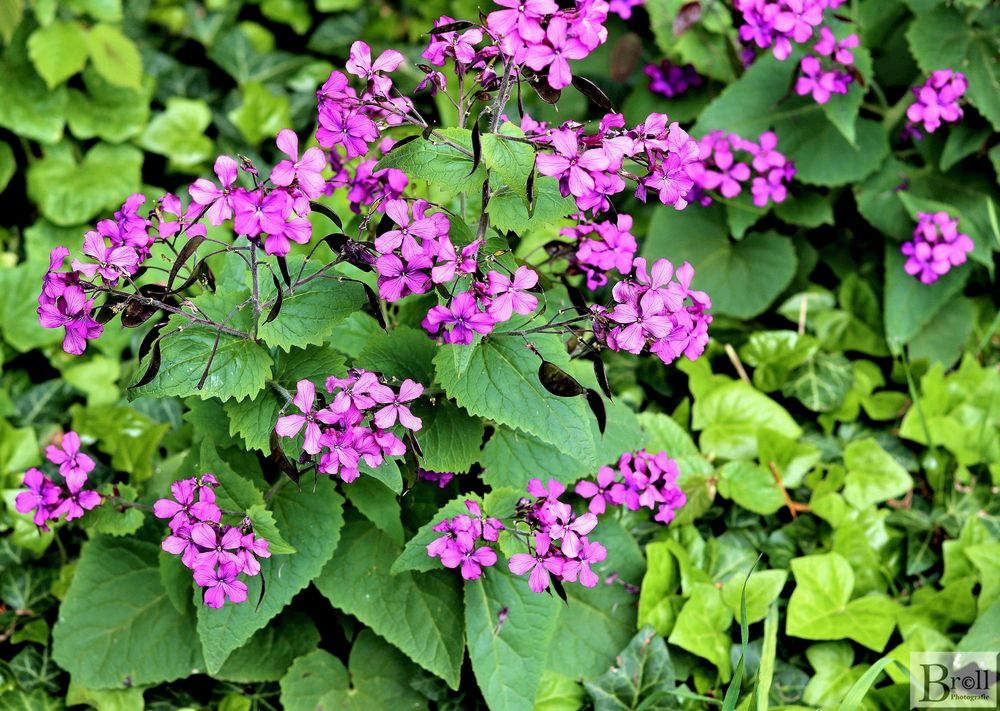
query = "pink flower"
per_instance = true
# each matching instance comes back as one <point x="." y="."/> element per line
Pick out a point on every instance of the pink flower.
<point x="394" y="407"/>
<point x="554" y="55"/>
<point x="204" y="192"/>
<point x="73" y="464"/>
<point x="256" y="212"/>
<point x="220" y="584"/>
<point x="360" y="64"/>
<point x="290" y="425"/>
<point x="398" y="279"/>
<point x="507" y="295"/>
<point x="464" y="317"/>
<point x="539" y="564"/>
<point x="306" y="171"/>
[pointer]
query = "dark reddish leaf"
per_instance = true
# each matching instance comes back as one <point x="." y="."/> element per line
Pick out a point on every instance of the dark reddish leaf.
<point x="397" y="144"/>
<point x="327" y="212"/>
<point x="625" y="56"/>
<point x="477" y="148"/>
<point x="283" y="268"/>
<point x="278" y="458"/>
<point x="375" y="305"/>
<point x="602" y="376"/>
<point x="136" y="311"/>
<point x="186" y="251"/>
<point x="276" y="307"/>
<point x="592" y="92"/>
<point x="457" y="26"/>
<point x="557" y="381"/>
<point x="686" y="17"/>
<point x="151" y="341"/>
<point x="596" y="403"/>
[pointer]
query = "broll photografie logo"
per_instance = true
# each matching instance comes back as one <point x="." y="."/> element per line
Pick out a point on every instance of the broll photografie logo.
<point x="953" y="680"/>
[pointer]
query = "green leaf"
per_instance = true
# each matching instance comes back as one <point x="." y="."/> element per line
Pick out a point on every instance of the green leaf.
<point x="985" y="631"/>
<point x="261" y="114"/>
<point x="311" y="313"/>
<point x="272" y="649"/>
<point x="71" y="193"/>
<point x="450" y="438"/>
<point x="945" y="338"/>
<point x="379" y="679"/>
<point x="511" y="161"/>
<point x="357" y="580"/>
<point x="773" y="354"/>
<point x="501" y="383"/>
<point x="743" y="277"/>
<point x="762" y="589"/>
<point x="266" y="527"/>
<point x="702" y="627"/>
<point x="116" y="521"/>
<point x="794" y="459"/>
<point x="842" y="109"/>
<point x="873" y="475"/>
<point x="834" y="674"/>
<point x="8" y="165"/>
<point x="131" y="438"/>
<point x="440" y="164"/>
<point x="115" y="56"/>
<point x="752" y="487"/>
<point x="821" y="383"/>
<point x="942" y="38"/>
<point x="414" y="555"/>
<point x="508" y="211"/>
<point x="557" y="692"/>
<point x="659" y="584"/>
<point x="141" y="638"/>
<point x="58" y="51"/>
<point x="731" y="416"/>
<point x="239" y="369"/>
<point x="911" y="304"/>
<point x="508" y="658"/>
<point x="179" y="133"/>
<point x="404" y="352"/>
<point x="27" y="106"/>
<point x="379" y="505"/>
<point x="311" y="522"/>
<point x="645" y="672"/>
<point x="11" y="14"/>
<point x="808" y="210"/>
<point x="821" y="607"/>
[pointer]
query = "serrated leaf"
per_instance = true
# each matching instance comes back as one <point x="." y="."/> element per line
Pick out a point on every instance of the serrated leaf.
<point x="450" y="438"/>
<point x="440" y="164"/>
<point x="311" y="522"/>
<point x="508" y="659"/>
<point x="399" y="607"/>
<point x="141" y="638"/>
<point x="271" y="651"/>
<point x="501" y="383"/>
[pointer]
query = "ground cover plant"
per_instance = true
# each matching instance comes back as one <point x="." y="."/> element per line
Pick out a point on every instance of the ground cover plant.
<point x="520" y="355"/>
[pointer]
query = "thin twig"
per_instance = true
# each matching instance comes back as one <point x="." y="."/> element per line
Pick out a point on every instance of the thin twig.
<point x="735" y="360"/>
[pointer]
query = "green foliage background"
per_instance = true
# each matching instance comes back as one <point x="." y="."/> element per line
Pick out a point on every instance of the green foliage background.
<point x="876" y="398"/>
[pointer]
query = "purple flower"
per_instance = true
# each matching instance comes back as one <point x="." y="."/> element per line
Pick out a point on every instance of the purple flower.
<point x="353" y="130"/>
<point x="290" y="425"/>
<point x="472" y="560"/>
<point x="179" y="543"/>
<point x="936" y="247"/>
<point x="76" y="502"/>
<point x="507" y="295"/>
<point x="442" y="479"/>
<point x="937" y="100"/>
<point x="73" y="464"/>
<point x="464" y="317"/>
<point x="398" y="278"/>
<point x="423" y="228"/>
<point x="110" y="262"/>
<point x="306" y="171"/>
<point x="521" y="19"/>
<point x="554" y="55"/>
<point x="41" y="497"/>
<point x="448" y="263"/>
<point x="540" y="565"/>
<point x="256" y="212"/>
<point x="394" y="407"/>
<point x="71" y="310"/>
<point x="571" y="165"/>
<point x="220" y="583"/>
<point x="215" y="547"/>
<point x="590" y="553"/>
<point x="600" y="493"/>
<point x="252" y="548"/>
<point x="190" y="502"/>
<point x="360" y="64"/>
<point x="204" y="192"/>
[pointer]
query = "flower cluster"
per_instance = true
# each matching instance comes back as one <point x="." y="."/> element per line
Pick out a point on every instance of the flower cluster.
<point x="591" y="167"/>
<point x="355" y="426"/>
<point x="726" y="163"/>
<point x="670" y="80"/>
<point x="641" y="480"/>
<point x="215" y="552"/>
<point x="48" y="500"/>
<point x="778" y="24"/>
<point x="936" y="101"/>
<point x="652" y="314"/>
<point x="543" y="36"/>
<point x="458" y="547"/>
<point x="601" y="247"/>
<point x="936" y="247"/>
<point x="549" y="520"/>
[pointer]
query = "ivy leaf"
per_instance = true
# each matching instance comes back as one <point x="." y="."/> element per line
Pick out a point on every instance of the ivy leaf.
<point x="731" y="416"/>
<point x="821" y="607"/>
<point x="27" y="106"/>
<point x="357" y="580"/>
<point x="58" y="51"/>
<point x="873" y="475"/>
<point x="115" y="56"/>
<point x="141" y="638"/>
<point x="752" y="487"/>
<point x="501" y="383"/>
<point x="179" y="133"/>
<point x="644" y="672"/>
<point x="702" y="627"/>
<point x="821" y="383"/>
<point x="311" y="522"/>
<point x="71" y="193"/>
<point x="762" y="589"/>
<point x="508" y="658"/>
